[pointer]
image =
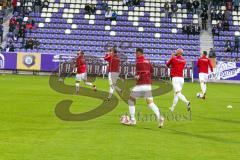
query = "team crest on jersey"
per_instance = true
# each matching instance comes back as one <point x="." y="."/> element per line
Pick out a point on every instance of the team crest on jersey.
<point x="29" y="60"/>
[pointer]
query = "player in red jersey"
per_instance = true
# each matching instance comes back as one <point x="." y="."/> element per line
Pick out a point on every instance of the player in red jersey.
<point x="113" y="70"/>
<point x="177" y="64"/>
<point x="143" y="88"/>
<point x="81" y="75"/>
<point x="203" y="64"/>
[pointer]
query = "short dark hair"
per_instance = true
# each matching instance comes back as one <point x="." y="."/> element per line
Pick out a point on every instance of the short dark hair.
<point x="114" y="50"/>
<point x="80" y="52"/>
<point x="139" y="50"/>
<point x="205" y="53"/>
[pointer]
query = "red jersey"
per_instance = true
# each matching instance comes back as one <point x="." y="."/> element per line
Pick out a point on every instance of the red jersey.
<point x="113" y="61"/>
<point x="144" y="71"/>
<point x="81" y="65"/>
<point x="177" y="64"/>
<point x="203" y="64"/>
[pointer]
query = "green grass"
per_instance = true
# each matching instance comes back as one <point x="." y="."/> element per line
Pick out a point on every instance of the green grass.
<point x="31" y="131"/>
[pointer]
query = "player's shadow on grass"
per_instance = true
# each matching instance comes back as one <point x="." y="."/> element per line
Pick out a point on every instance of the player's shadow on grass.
<point x="212" y="138"/>
<point x="221" y="120"/>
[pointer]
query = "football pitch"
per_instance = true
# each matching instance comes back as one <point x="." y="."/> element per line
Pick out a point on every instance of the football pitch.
<point x="30" y="129"/>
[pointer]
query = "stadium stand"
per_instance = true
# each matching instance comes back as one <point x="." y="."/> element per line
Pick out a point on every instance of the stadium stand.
<point x="64" y="27"/>
<point x="225" y="28"/>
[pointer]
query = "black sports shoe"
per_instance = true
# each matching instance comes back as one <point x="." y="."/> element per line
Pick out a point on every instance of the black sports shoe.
<point x="161" y="122"/>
